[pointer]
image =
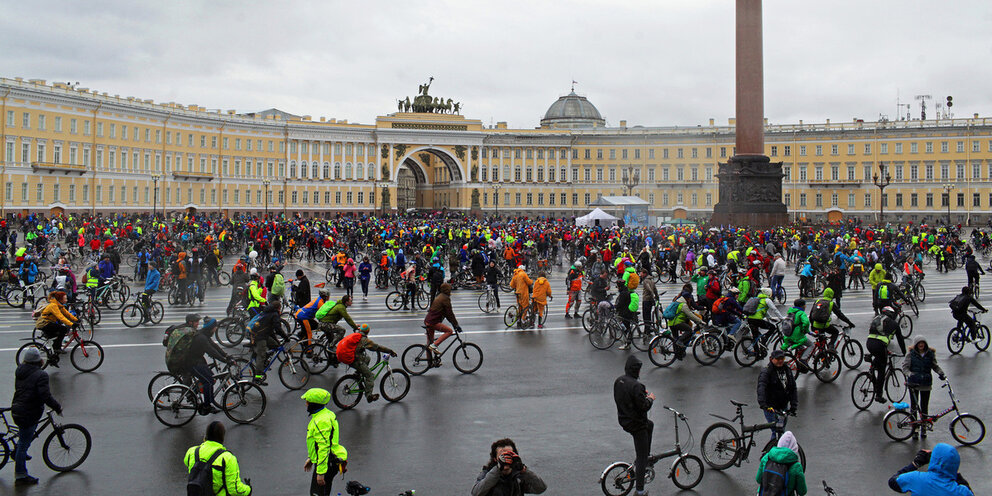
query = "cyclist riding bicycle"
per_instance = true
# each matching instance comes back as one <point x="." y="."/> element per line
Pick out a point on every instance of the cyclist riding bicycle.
<point x="795" y="339"/>
<point x="255" y="296"/>
<point x="351" y="351"/>
<point x="152" y="281"/>
<point x="880" y="333"/>
<point x="440" y="309"/>
<point x="959" y="309"/>
<point x="973" y="269"/>
<point x="330" y="313"/>
<point x="542" y="292"/>
<point x="726" y="312"/>
<point x="681" y="323"/>
<point x="821" y="315"/>
<point x="492" y="280"/>
<point x="764" y="313"/>
<point x="409" y="281"/>
<point x="306" y="315"/>
<point x="54" y="321"/>
<point x="188" y="359"/>
<point x="521" y="284"/>
<point x="263" y="337"/>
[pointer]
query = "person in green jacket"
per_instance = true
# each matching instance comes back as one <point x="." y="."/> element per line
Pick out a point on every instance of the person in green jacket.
<point x="324" y="455"/>
<point x="227" y="477"/>
<point x="701" y="278"/>
<point x="786" y="454"/>
<point x="330" y="313"/>
<point x="800" y="327"/>
<point x="875" y="278"/>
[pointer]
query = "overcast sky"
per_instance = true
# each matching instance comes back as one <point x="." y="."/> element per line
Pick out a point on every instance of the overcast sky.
<point x="655" y="63"/>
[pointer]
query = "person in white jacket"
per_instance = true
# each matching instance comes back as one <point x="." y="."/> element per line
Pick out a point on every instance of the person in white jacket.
<point x="777" y="274"/>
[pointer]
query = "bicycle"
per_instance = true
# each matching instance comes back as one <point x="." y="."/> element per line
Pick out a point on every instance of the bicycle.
<point x="724" y="445"/>
<point x="686" y="471"/>
<point x="960" y="335"/>
<point x="137" y="313"/>
<point x="708" y="344"/>
<point x="86" y="355"/>
<point x="487" y="300"/>
<point x="242" y="400"/>
<point x="863" y="388"/>
<point x="293" y="371"/>
<point x="899" y="424"/>
<point x="19" y="295"/>
<point x="395" y="384"/>
<point x="749" y="350"/>
<point x="418" y="359"/>
<point x="526" y="319"/>
<point x="65" y="449"/>
<point x="397" y="300"/>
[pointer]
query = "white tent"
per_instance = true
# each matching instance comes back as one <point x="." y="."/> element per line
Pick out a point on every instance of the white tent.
<point x="590" y="219"/>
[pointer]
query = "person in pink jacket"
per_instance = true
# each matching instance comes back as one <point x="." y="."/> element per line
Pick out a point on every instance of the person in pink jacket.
<point x="349" y="276"/>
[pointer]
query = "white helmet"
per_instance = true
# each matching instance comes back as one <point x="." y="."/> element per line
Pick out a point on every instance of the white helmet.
<point x="253" y="255"/>
<point x="253" y="271"/>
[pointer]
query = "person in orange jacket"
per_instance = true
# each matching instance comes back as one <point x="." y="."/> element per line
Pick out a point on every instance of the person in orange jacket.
<point x="542" y="292"/>
<point x="521" y="283"/>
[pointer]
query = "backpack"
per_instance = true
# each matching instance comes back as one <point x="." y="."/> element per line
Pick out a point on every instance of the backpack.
<point x="821" y="311"/>
<point x="751" y="307"/>
<point x="718" y="304"/>
<point x="278" y="285"/>
<point x="177" y="350"/>
<point x="671" y="310"/>
<point x="959" y="303"/>
<point x="774" y="479"/>
<point x="201" y="476"/>
<point x="877" y="326"/>
<point x="635" y="302"/>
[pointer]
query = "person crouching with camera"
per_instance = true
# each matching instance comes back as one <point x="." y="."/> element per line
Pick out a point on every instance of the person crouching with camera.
<point x="505" y="474"/>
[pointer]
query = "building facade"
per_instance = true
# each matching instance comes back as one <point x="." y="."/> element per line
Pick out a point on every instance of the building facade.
<point x="68" y="149"/>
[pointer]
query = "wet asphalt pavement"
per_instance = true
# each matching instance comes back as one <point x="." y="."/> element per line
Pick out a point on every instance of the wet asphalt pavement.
<point x="549" y="390"/>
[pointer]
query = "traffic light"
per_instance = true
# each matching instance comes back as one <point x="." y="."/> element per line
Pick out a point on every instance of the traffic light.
<point x="950" y="102"/>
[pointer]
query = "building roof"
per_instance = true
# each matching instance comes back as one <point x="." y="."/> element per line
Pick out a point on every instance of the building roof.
<point x="618" y="201"/>
<point x="274" y="111"/>
<point x="572" y="111"/>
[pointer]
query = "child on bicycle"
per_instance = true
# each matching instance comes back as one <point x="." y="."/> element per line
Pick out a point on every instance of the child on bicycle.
<point x="959" y="309"/>
<point x="351" y="351"/>
<point x="796" y="341"/>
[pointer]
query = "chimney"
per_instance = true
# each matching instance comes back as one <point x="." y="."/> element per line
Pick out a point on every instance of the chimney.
<point x="501" y="125"/>
<point x="306" y="118"/>
<point x="623" y="124"/>
<point x="231" y="112"/>
<point x="711" y="122"/>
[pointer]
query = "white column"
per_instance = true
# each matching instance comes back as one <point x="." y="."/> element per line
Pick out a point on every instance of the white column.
<point x="468" y="168"/>
<point x="320" y="159"/>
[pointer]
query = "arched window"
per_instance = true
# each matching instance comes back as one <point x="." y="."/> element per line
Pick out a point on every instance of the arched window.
<point x="506" y="172"/>
<point x="337" y="170"/>
<point x="327" y="170"/>
<point x="359" y="169"/>
<point x="347" y="169"/>
<point x="292" y="168"/>
<point x="371" y="171"/>
<point x="303" y="170"/>
<point x="315" y="171"/>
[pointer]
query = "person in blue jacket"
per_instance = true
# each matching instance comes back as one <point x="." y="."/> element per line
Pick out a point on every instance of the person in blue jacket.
<point x="941" y="478"/>
<point x="152" y="281"/>
<point x="29" y="270"/>
<point x="364" y="275"/>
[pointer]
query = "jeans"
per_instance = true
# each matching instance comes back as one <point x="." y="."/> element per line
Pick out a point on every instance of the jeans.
<point x="642" y="450"/>
<point x="24" y="438"/>
<point x="772" y="417"/>
<point x="202" y="374"/>
<point x="365" y="287"/>
<point x="776" y="283"/>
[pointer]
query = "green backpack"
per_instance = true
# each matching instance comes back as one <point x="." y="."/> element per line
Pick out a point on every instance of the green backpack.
<point x="177" y="349"/>
<point x="278" y="285"/>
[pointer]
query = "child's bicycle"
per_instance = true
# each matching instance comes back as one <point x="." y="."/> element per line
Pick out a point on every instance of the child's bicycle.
<point x="686" y="471"/>
<point x="395" y="384"/>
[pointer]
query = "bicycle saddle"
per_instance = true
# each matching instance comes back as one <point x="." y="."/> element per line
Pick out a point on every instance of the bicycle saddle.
<point x="737" y="403"/>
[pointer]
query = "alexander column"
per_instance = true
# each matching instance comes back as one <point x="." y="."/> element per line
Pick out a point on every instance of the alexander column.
<point x="750" y="184"/>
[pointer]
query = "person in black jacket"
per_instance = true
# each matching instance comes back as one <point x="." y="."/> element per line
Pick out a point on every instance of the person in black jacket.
<point x="492" y="280"/>
<point x="302" y="288"/>
<point x="31" y="394"/>
<point x="777" y="389"/>
<point x="505" y="474"/>
<point x="203" y="343"/>
<point x="633" y="402"/>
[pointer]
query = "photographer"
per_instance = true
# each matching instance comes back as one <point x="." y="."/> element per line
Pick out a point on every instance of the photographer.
<point x="941" y="479"/>
<point x="505" y="474"/>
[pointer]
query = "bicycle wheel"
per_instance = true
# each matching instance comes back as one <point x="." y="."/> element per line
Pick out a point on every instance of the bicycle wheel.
<point x="486" y="304"/>
<point x="422" y="301"/>
<point x="643" y="334"/>
<point x="394" y="301"/>
<point x="588" y="319"/>
<point x="347" y="391"/>
<point x="155" y="312"/>
<point x="316" y="358"/>
<point x="863" y="391"/>
<point x="687" y="472"/>
<point x="852" y="353"/>
<point x="897" y="425"/>
<point x="6" y="453"/>
<point x="720" y="445"/>
<point x="15" y="298"/>
<point x="968" y="429"/>
<point x="744" y="355"/>
<point x="230" y="332"/>
<point x="224" y="278"/>
<point x="244" y="402"/>
<point x="618" y="479"/>
<point x="415" y="359"/>
<point x="707" y="349"/>
<point x="132" y="315"/>
<point x="92" y="313"/>
<point x="661" y="350"/>
<point x="826" y="366"/>
<point x="905" y="326"/>
<point x="467" y="358"/>
<point x="86" y="356"/>
<point x="955" y="340"/>
<point x="160" y="381"/>
<point x="981" y="340"/>
<point x="921" y="293"/>
<point x="601" y="337"/>
<point x="911" y="303"/>
<point x="173" y="297"/>
<point x="175" y="405"/>
<point x="394" y="385"/>
<point x="114" y="300"/>
<point x="66" y="447"/>
<point x="781" y="296"/>
<point x="895" y="385"/>
<point x="18" y="358"/>
<point x="293" y="372"/>
<point x="510" y="316"/>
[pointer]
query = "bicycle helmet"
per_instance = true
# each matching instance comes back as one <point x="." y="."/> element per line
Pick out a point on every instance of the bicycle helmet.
<point x="317" y="396"/>
<point x="324" y="294"/>
<point x="578" y="265"/>
<point x="889" y="311"/>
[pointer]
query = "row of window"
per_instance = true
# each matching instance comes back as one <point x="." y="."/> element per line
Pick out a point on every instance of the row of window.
<point x="897" y="171"/>
<point x="349" y="149"/>
<point x="914" y="200"/>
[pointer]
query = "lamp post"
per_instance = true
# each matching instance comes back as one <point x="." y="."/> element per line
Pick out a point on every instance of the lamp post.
<point x="265" y="182"/>
<point x="155" y="178"/>
<point x="881" y="179"/>
<point x="631" y="178"/>
<point x="947" y="194"/>
<point x="496" y="198"/>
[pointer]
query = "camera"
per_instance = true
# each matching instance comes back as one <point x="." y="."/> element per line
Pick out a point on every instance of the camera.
<point x="513" y="461"/>
<point x="355" y="488"/>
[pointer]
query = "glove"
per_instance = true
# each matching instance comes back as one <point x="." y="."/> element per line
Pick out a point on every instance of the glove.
<point x="942" y="376"/>
<point x="922" y="458"/>
<point x="344" y="466"/>
<point x="392" y="353"/>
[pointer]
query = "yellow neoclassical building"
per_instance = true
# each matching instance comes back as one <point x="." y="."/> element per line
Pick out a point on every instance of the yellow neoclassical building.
<point x="71" y="149"/>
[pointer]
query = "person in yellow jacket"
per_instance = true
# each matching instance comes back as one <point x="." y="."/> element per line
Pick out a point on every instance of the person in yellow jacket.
<point x="875" y="278"/>
<point x="520" y="284"/>
<point x="255" y="297"/>
<point x="542" y="291"/>
<point x="324" y="455"/>
<point x="226" y="475"/>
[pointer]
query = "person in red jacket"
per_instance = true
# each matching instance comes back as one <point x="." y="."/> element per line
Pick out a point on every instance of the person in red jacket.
<point x="351" y="351"/>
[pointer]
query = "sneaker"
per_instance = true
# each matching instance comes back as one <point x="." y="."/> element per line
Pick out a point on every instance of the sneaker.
<point x="567" y="316"/>
<point x="372" y="397"/>
<point x="880" y="399"/>
<point x="434" y="349"/>
<point x="923" y="435"/>
<point x="916" y="436"/>
<point x="54" y="362"/>
<point x="25" y="480"/>
<point x="624" y="346"/>
<point x="365" y="298"/>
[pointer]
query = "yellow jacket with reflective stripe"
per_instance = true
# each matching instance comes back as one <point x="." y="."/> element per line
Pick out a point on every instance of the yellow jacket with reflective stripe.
<point x="227" y="476"/>
<point x="322" y="440"/>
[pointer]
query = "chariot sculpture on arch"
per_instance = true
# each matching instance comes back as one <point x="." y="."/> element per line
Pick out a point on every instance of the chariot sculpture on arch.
<point x="425" y="103"/>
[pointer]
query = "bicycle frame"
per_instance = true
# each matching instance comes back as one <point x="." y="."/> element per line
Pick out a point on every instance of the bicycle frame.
<point x="747" y="432"/>
<point x="932" y="419"/>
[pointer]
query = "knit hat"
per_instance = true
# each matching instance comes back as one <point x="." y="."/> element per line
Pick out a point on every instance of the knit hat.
<point x="31" y="355"/>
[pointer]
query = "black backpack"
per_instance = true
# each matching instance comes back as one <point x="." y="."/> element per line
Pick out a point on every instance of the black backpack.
<point x="201" y="476"/>
<point x="821" y="311"/>
<point x="959" y="303"/>
<point x="774" y="479"/>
